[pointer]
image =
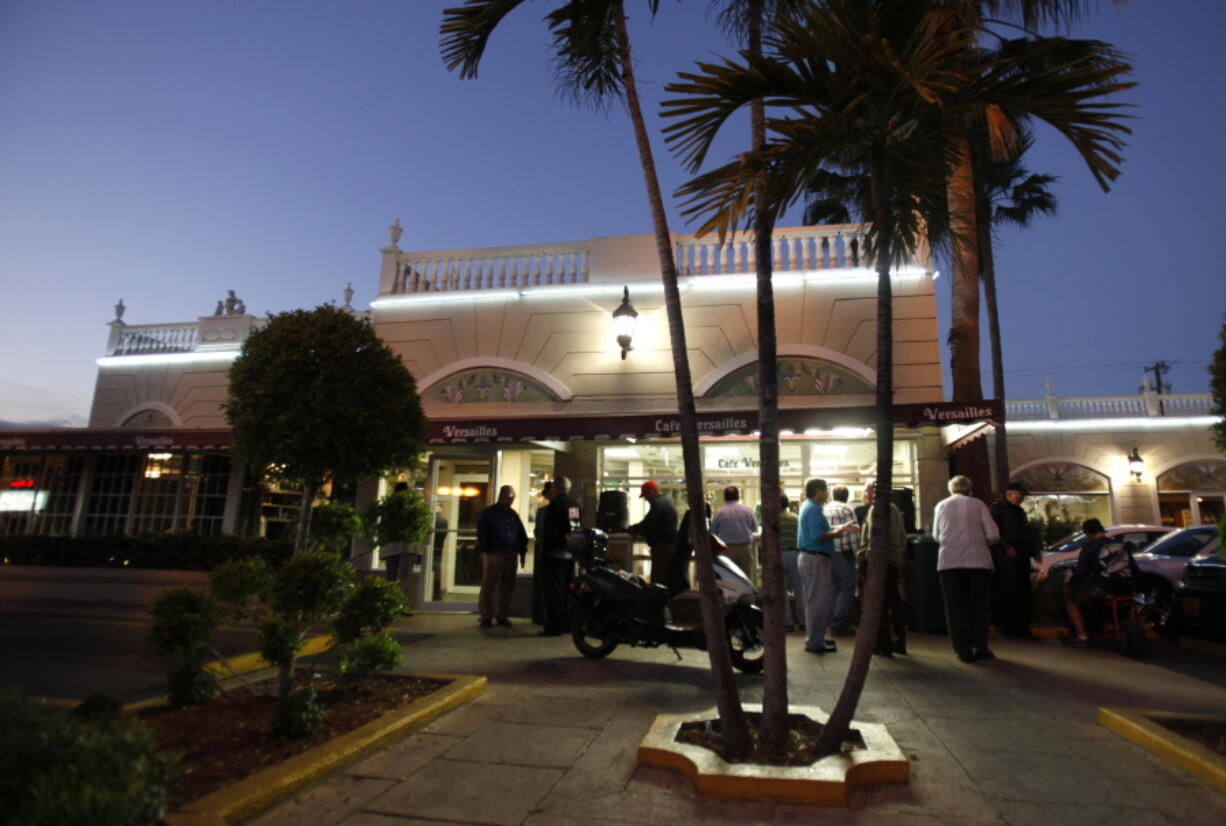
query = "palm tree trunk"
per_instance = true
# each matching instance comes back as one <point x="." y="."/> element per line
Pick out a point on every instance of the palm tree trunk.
<point x="987" y="262"/>
<point x="839" y="723"/>
<point x="309" y="491"/>
<point x="734" y="728"/>
<point x="774" y="728"/>
<point x="972" y="459"/>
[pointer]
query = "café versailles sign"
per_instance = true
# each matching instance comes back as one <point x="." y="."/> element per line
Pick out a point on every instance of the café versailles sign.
<point x="709" y="424"/>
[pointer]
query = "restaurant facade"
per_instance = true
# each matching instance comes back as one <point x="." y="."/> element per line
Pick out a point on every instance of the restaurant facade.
<point x="523" y="377"/>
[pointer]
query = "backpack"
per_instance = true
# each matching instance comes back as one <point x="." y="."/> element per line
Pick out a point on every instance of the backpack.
<point x="1114" y="570"/>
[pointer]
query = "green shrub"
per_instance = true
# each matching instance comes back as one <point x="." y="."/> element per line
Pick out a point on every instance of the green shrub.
<point x="311" y="586"/>
<point x="97" y="705"/>
<point x="369" y="654"/>
<point x="182" y="621"/>
<point x="297" y="715"/>
<point x="190" y="685"/>
<point x="240" y="584"/>
<point x="333" y="525"/>
<point x="372" y="606"/>
<point x="182" y="552"/>
<point x="402" y="516"/>
<point x="58" y="769"/>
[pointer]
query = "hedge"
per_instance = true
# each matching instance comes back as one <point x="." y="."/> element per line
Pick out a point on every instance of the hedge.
<point x="169" y="553"/>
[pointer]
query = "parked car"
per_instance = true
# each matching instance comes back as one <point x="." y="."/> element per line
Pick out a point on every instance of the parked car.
<point x="1200" y="600"/>
<point x="1162" y="565"/>
<point x="1070" y="546"/>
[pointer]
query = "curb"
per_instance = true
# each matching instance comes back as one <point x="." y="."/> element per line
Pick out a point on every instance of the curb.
<point x="1139" y="727"/>
<point x="246" y="663"/>
<point x="824" y="783"/>
<point x="252" y="795"/>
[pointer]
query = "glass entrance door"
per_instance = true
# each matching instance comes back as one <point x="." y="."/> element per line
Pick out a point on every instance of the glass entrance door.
<point x="460" y="488"/>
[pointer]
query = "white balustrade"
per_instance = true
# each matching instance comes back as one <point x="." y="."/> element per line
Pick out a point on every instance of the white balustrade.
<point x="492" y="269"/>
<point x="1108" y="407"/>
<point x="164" y="338"/>
<point x="833" y="247"/>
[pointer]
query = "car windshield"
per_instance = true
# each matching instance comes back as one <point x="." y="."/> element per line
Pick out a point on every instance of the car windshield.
<point x="1069" y="543"/>
<point x="1187" y="542"/>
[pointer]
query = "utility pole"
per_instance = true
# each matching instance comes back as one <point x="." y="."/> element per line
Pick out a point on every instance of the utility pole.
<point x="1158" y="368"/>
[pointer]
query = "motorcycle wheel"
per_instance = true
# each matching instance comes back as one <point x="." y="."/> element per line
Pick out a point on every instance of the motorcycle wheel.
<point x="747" y="654"/>
<point x="1135" y="644"/>
<point x="589" y="639"/>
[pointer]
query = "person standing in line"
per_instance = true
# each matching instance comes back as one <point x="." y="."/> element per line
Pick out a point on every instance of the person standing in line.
<point x="658" y="528"/>
<point x="1017" y="548"/>
<point x="788" y="526"/>
<point x="538" y="551"/>
<point x="815" y="539"/>
<point x="842" y="562"/>
<point x="964" y="529"/>
<point x="500" y="539"/>
<point x="893" y="616"/>
<point x="561" y="517"/>
<point x="736" y="525"/>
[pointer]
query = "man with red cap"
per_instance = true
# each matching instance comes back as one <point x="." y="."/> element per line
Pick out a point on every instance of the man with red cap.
<point x="658" y="528"/>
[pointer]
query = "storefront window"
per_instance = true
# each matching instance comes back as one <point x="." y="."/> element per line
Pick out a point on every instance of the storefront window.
<point x="110" y="495"/>
<point x="1065" y="492"/>
<point x="21" y="496"/>
<point x="735" y="462"/>
<point x="1193" y="493"/>
<point x="61" y="481"/>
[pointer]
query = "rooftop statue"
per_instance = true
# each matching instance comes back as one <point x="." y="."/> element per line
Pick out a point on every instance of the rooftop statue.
<point x="396" y="229"/>
<point x="119" y="308"/>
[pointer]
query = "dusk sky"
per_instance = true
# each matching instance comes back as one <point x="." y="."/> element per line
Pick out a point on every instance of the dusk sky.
<point x="165" y="152"/>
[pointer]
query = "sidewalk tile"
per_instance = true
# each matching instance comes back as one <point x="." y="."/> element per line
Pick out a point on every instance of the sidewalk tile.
<point x="509" y="743"/>
<point x="457" y="791"/>
<point x="403" y="757"/>
<point x="1057" y="814"/>
<point x="326" y="803"/>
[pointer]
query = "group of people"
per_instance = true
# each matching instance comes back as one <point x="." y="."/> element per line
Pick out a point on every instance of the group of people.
<point x="986" y="552"/>
<point x="983" y="561"/>
<point x="503" y="540"/>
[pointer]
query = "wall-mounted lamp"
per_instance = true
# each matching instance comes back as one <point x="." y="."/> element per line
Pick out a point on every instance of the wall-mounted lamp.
<point x="1135" y="465"/>
<point x="624" y="319"/>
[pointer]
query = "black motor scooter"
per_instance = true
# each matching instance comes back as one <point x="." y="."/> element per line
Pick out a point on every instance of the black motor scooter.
<point x="612" y="607"/>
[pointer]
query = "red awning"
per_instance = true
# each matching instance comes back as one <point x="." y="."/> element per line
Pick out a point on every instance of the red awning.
<point x="723" y="423"/>
<point x="132" y="441"/>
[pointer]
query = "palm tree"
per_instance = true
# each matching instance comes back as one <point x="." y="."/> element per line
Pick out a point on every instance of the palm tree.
<point x="593" y="60"/>
<point x="868" y="84"/>
<point x="1005" y="193"/>
<point x="978" y="17"/>
<point x="748" y="18"/>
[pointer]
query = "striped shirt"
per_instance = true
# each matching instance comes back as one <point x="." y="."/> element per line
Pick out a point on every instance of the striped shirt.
<point x="840" y="513"/>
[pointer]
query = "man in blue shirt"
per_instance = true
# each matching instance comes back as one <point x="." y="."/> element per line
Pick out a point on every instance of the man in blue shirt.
<point x="500" y="538"/>
<point x="815" y="541"/>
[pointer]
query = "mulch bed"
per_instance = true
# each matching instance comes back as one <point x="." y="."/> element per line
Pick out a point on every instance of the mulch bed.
<point x="801" y="748"/>
<point x="1209" y="734"/>
<point x="226" y="739"/>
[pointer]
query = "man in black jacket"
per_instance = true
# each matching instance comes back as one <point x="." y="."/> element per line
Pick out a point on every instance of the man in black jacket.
<point x="658" y="528"/>
<point x="500" y="539"/>
<point x="561" y="517"/>
<point x="1017" y="548"/>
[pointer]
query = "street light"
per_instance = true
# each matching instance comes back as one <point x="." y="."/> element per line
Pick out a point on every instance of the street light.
<point x="1135" y="465"/>
<point x="624" y="318"/>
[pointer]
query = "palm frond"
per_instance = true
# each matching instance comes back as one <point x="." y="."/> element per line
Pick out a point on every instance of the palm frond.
<point x="466" y="30"/>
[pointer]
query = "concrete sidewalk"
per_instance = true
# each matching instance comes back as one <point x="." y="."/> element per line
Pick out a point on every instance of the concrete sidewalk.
<point x="554" y="739"/>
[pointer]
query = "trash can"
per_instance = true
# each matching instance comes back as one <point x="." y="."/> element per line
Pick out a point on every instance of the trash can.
<point x="927" y="608"/>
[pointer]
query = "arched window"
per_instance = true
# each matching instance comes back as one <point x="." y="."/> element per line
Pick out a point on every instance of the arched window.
<point x="490" y="385"/>
<point x="1193" y="493"/>
<point x="1066" y="492"/>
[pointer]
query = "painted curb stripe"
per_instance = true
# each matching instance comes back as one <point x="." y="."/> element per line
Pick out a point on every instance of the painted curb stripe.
<point x="258" y="792"/>
<point x="1139" y="727"/>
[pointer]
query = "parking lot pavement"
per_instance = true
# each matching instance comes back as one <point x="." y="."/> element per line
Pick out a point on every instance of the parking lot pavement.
<point x="69" y="657"/>
<point x="553" y="741"/>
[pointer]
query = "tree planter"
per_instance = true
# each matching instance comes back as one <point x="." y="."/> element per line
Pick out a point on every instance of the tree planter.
<point x="1156" y="732"/>
<point x="826" y="782"/>
<point x="261" y="790"/>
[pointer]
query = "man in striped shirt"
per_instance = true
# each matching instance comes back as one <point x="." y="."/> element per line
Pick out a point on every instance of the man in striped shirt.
<point x="842" y="562"/>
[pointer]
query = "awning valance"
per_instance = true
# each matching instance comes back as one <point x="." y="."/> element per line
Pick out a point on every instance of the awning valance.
<point x="722" y="423"/>
<point x="132" y="441"/>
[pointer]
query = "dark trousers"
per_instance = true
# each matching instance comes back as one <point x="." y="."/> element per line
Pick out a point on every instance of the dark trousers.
<point x="1013" y="582"/>
<point x="968" y="606"/>
<point x="660" y="554"/>
<point x="497" y="584"/>
<point x="893" y="609"/>
<point x="555" y="583"/>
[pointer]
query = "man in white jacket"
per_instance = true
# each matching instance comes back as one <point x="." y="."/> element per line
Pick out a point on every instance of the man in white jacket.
<point x="964" y="528"/>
